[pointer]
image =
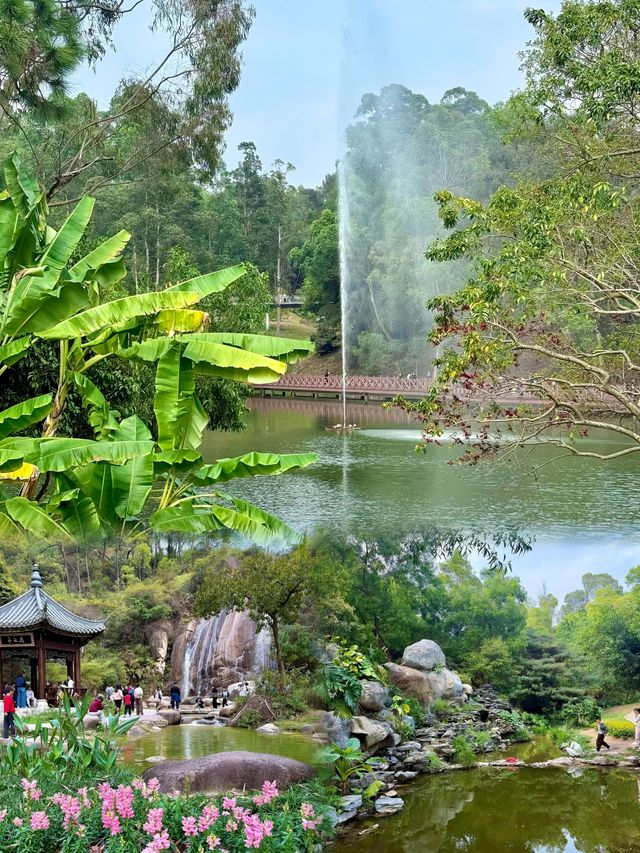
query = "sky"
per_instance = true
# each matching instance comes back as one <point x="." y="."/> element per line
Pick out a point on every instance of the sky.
<point x="308" y="62"/>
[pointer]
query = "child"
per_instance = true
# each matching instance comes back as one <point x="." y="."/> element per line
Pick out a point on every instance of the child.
<point x="9" y="711"/>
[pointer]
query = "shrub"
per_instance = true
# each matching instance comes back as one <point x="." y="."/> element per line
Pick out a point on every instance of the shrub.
<point x="251" y="719"/>
<point x="519" y="732"/>
<point x="580" y="712"/>
<point x="341" y="689"/>
<point x="287" y="692"/>
<point x="358" y="664"/>
<point x="416" y="710"/>
<point x="347" y="762"/>
<point x="621" y="728"/>
<point x="463" y="750"/>
<point x="441" y="707"/>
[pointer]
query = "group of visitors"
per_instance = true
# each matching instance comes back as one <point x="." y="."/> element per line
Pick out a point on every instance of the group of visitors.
<point x="23" y="695"/>
<point x="223" y="696"/>
<point x="128" y="699"/>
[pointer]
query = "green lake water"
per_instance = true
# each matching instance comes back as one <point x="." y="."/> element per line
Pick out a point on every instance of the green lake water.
<point x="518" y="811"/>
<point x="193" y="740"/>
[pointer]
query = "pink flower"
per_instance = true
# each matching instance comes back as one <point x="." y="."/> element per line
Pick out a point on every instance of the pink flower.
<point x="153" y="786"/>
<point x="17" y="821"/>
<point x="209" y="816"/>
<point x="270" y="790"/>
<point x="39" y="820"/>
<point x="311" y="824"/>
<point x="124" y="801"/>
<point x="307" y="810"/>
<point x="212" y="842"/>
<point x="231" y="825"/>
<point x="30" y="790"/>
<point x="189" y="826"/>
<point x="84" y="796"/>
<point x="161" y="841"/>
<point x="3" y="814"/>
<point x="229" y="803"/>
<point x="114" y="826"/>
<point x="153" y="823"/>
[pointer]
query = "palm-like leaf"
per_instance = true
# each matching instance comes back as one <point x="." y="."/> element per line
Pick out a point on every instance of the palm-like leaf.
<point x="23" y="415"/>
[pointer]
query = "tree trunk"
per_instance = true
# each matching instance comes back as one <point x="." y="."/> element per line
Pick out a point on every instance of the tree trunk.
<point x="135" y="267"/>
<point x="275" y="630"/>
<point x="157" y="248"/>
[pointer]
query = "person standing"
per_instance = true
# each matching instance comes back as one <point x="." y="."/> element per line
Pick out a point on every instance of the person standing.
<point x="9" y="711"/>
<point x="116" y="697"/>
<point x="636" y="720"/>
<point x="225" y="697"/>
<point x="127" y="700"/>
<point x="214" y="697"/>
<point x="137" y="696"/>
<point x="158" y="697"/>
<point x="601" y="731"/>
<point x="21" y="687"/>
<point x="175" y="697"/>
<point x="109" y="692"/>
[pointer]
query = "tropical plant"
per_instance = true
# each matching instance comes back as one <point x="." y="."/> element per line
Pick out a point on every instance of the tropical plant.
<point x="347" y="762"/>
<point x="399" y="707"/>
<point x="125" y="479"/>
<point x="350" y="657"/>
<point x="341" y="688"/>
<point x="62" y="745"/>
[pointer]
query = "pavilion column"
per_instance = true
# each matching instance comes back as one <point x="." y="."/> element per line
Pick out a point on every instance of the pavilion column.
<point x="42" y="670"/>
<point x="76" y="669"/>
<point x="1" y="670"/>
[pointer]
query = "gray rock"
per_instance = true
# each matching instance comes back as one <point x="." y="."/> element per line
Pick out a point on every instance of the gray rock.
<point x="91" y="721"/>
<point x="351" y="802"/>
<point x="388" y="805"/>
<point x="336" y="728"/>
<point x="409" y="722"/>
<point x="405" y="775"/>
<point x="268" y="729"/>
<point x="228" y="771"/>
<point x="468" y="689"/>
<point x="424" y="655"/>
<point x="370" y="732"/>
<point x="171" y="716"/>
<point x="409" y="746"/>
<point x="373" y="696"/>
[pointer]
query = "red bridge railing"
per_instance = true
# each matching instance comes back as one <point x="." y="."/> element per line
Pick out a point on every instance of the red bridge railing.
<point x="372" y="384"/>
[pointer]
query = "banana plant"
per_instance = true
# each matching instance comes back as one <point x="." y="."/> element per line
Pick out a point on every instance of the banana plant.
<point x="127" y="478"/>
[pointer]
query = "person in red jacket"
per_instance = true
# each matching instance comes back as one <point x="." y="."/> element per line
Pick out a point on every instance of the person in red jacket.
<point x="9" y="711"/>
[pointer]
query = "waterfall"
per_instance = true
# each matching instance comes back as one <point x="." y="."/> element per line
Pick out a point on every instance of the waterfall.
<point x="222" y="650"/>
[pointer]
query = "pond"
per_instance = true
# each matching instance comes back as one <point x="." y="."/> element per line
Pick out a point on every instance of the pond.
<point x="373" y="479"/>
<point x="193" y="740"/>
<point x="519" y="811"/>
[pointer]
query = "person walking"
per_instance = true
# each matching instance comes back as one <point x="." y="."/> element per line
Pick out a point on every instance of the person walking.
<point x="137" y="697"/>
<point x="175" y="697"/>
<point x="21" y="688"/>
<point x="601" y="731"/>
<point x="636" y="720"/>
<point x="158" y="697"/>
<point x="127" y="700"/>
<point x="9" y="711"/>
<point x="225" y="697"/>
<point x="109" y="692"/>
<point x="214" y="697"/>
<point x="116" y="698"/>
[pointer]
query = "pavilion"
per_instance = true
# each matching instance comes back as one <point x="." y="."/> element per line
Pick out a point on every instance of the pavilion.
<point x="35" y="628"/>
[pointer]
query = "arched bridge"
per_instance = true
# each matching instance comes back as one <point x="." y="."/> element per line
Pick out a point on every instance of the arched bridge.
<point x="357" y="387"/>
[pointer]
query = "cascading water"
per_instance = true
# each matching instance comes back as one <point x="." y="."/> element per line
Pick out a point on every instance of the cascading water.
<point x="343" y="219"/>
<point x="222" y="650"/>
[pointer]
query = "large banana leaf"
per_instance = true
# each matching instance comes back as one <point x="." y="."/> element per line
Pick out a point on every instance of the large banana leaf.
<point x="197" y="517"/>
<point x="14" y="350"/>
<point x="105" y="253"/>
<point x="216" y="359"/>
<point x="131" y="483"/>
<point x="102" y="419"/>
<point x="95" y="482"/>
<point x="179" y="414"/>
<point x="183" y="320"/>
<point x="30" y="291"/>
<point x="284" y="349"/>
<point x="24" y="189"/>
<point x="65" y="454"/>
<point x="121" y="311"/>
<point x="22" y="415"/>
<point x="33" y="518"/>
<point x="251" y="465"/>
<point x="9" y="530"/>
<point x="80" y="518"/>
<point x="10" y="459"/>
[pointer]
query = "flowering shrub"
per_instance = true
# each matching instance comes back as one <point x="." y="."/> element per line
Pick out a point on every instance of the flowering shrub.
<point x="134" y="816"/>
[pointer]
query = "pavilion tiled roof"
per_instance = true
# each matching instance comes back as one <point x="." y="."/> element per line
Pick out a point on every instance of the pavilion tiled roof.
<point x="35" y="608"/>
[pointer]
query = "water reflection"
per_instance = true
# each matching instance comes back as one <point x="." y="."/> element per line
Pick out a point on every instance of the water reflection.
<point x="526" y="811"/>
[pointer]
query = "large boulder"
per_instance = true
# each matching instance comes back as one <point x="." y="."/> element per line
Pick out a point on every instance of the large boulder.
<point x="170" y="715"/>
<point x="370" y="732"/>
<point x="228" y="771"/>
<point x="373" y="696"/>
<point x="426" y="687"/>
<point x="424" y="655"/>
<point x="337" y="729"/>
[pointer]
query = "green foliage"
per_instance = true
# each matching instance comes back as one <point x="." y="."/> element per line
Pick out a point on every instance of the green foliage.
<point x="341" y="688"/>
<point x="288" y="693"/>
<point x="64" y="746"/>
<point x="354" y="661"/>
<point x="399" y="706"/>
<point x="347" y="763"/>
<point x="442" y="707"/>
<point x="580" y="713"/>
<point x="251" y="719"/>
<point x="548" y="676"/>
<point x="463" y="750"/>
<point x="517" y="723"/>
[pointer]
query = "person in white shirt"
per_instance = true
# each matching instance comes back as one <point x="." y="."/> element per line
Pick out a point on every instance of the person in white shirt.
<point x="137" y="695"/>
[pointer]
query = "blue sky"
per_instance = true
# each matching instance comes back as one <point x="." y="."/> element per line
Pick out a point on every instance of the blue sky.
<point x="307" y="62"/>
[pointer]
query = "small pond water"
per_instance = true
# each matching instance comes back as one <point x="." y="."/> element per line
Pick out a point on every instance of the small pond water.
<point x="510" y="811"/>
<point x="194" y="740"/>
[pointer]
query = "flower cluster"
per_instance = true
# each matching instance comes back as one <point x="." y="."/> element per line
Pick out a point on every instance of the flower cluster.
<point x="137" y="816"/>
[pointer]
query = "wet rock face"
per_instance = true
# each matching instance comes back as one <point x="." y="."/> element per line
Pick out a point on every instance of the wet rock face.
<point x="157" y="636"/>
<point x="424" y="655"/>
<point x="228" y="771"/>
<point x="219" y="651"/>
